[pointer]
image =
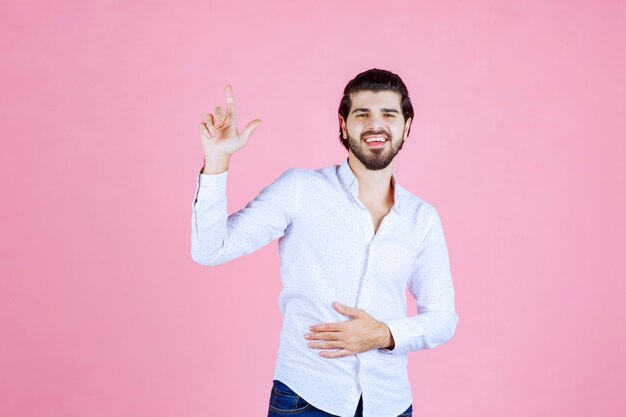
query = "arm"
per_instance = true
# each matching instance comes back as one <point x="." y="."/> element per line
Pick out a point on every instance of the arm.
<point x="431" y="285"/>
<point x="217" y="237"/>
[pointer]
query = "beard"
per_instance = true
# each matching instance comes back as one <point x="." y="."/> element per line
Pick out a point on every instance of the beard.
<point x="374" y="158"/>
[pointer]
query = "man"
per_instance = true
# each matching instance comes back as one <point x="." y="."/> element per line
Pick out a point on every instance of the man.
<point x="351" y="240"/>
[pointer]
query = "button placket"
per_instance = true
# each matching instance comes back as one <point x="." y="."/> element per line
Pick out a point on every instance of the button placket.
<point x="364" y="279"/>
<point x="366" y="290"/>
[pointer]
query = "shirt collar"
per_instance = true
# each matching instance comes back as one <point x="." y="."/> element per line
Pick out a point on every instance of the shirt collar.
<point x="349" y="182"/>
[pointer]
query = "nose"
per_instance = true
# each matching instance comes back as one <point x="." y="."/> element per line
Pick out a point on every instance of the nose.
<point x="376" y="123"/>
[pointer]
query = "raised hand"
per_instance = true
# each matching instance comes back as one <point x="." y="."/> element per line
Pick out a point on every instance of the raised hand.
<point x="219" y="134"/>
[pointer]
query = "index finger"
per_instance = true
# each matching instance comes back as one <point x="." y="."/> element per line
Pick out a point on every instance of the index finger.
<point x="230" y="99"/>
<point x="329" y="327"/>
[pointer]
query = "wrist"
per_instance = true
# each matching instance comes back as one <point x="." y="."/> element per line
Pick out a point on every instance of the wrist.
<point x="215" y="163"/>
<point x="387" y="340"/>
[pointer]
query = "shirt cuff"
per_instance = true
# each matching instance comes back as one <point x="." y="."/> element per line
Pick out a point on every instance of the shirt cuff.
<point x="403" y="330"/>
<point x="211" y="186"/>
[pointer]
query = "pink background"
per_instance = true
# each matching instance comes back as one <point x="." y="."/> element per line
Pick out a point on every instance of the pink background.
<point x="518" y="141"/>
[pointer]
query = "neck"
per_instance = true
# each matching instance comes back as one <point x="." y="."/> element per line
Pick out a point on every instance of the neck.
<point x="374" y="186"/>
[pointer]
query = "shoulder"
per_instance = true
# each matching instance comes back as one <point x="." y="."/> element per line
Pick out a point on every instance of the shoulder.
<point x="415" y="202"/>
<point x="420" y="211"/>
<point x="304" y="175"/>
<point x="292" y="180"/>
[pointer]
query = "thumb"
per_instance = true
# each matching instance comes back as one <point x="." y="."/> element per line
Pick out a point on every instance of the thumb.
<point x="250" y="128"/>
<point x="345" y="310"/>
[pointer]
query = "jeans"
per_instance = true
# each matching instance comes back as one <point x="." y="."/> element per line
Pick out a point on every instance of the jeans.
<point x="285" y="402"/>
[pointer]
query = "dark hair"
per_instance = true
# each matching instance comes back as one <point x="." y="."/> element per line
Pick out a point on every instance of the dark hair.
<point x="374" y="80"/>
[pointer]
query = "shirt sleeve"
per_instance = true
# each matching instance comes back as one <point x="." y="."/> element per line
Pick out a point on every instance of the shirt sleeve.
<point x="217" y="237"/>
<point x="431" y="285"/>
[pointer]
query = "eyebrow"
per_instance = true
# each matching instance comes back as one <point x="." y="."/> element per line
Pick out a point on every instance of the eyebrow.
<point x="367" y="110"/>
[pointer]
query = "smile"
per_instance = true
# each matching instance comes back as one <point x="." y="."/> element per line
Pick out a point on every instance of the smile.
<point x="375" y="138"/>
<point x="375" y="141"/>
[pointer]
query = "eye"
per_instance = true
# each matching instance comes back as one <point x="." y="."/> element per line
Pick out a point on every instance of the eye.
<point x="390" y="115"/>
<point x="361" y="115"/>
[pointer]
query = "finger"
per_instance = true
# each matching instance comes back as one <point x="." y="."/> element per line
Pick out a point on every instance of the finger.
<point x="336" y="354"/>
<point x="347" y="311"/>
<point x="210" y="120"/>
<point x="231" y="116"/>
<point x="230" y="101"/>
<point x="250" y="128"/>
<point x="210" y="123"/>
<point x="219" y="114"/>
<point x="325" y="345"/>
<point x="204" y="131"/>
<point x="323" y="336"/>
<point x="332" y="327"/>
<point x="225" y="122"/>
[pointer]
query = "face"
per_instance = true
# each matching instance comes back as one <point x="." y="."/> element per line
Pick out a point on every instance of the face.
<point x="375" y="127"/>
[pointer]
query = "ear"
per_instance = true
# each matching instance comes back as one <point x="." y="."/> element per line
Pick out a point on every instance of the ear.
<point x="407" y="125"/>
<point x="343" y="128"/>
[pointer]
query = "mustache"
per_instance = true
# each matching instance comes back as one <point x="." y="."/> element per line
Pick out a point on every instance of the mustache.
<point x="371" y="133"/>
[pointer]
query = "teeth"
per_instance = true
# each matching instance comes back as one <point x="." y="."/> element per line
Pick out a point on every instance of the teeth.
<point x="375" y="140"/>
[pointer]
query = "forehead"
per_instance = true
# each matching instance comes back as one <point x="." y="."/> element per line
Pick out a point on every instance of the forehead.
<point x="373" y="100"/>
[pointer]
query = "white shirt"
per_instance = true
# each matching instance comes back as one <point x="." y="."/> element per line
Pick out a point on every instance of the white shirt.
<point x="329" y="252"/>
